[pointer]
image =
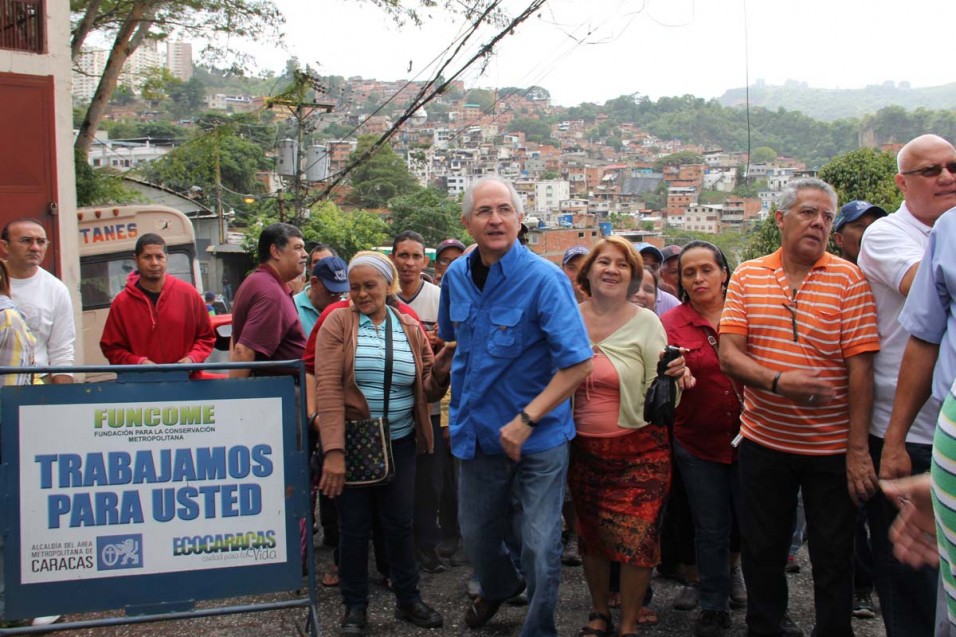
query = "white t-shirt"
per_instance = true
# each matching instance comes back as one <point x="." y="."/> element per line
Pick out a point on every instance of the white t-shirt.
<point x="891" y="246"/>
<point x="47" y="307"/>
<point x="425" y="304"/>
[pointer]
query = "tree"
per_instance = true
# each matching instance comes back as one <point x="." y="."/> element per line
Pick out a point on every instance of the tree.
<point x="383" y="176"/>
<point x="678" y="159"/>
<point x="193" y="165"/>
<point x="429" y="212"/>
<point x="763" y="155"/>
<point x="131" y="22"/>
<point x="347" y="232"/>
<point x="96" y="188"/>
<point x="764" y="239"/>
<point x="866" y="174"/>
<point x="484" y="98"/>
<point x="187" y="97"/>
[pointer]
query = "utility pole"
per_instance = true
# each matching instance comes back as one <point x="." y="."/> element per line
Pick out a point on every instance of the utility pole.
<point x="219" y="218"/>
<point x="302" y="109"/>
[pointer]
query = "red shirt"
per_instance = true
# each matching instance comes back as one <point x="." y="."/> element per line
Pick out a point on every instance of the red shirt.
<point x="264" y="318"/>
<point x="708" y="416"/>
<point x="308" y="357"/>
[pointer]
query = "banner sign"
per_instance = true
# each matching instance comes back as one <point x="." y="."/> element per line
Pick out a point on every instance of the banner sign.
<point x="111" y="486"/>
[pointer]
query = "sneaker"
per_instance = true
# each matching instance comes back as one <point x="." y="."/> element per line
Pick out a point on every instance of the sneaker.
<point x="792" y="566"/>
<point x="863" y="606"/>
<point x="420" y="614"/>
<point x="711" y="623"/>
<point x="570" y="555"/>
<point x="429" y="561"/>
<point x="688" y="597"/>
<point x="738" y="590"/>
<point x="45" y="621"/>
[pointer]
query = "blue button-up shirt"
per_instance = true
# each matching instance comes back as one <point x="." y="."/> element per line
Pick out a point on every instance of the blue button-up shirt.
<point x="513" y="336"/>
<point x="930" y="310"/>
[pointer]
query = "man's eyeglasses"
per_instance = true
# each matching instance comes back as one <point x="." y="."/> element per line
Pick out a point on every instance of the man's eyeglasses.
<point x="810" y="214"/>
<point x="29" y="241"/>
<point x="932" y="171"/>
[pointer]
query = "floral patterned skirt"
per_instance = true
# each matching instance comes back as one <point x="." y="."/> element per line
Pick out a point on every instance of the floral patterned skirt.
<point x="619" y="486"/>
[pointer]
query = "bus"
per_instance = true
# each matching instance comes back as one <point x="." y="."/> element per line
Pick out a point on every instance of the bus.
<point x="107" y="239"/>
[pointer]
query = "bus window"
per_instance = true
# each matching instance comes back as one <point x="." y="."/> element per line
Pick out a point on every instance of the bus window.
<point x="102" y="278"/>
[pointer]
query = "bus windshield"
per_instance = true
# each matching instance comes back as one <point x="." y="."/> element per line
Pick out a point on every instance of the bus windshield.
<point x="104" y="277"/>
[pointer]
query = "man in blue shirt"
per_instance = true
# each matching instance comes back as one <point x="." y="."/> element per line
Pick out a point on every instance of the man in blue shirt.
<point x="522" y="351"/>
<point x="929" y="315"/>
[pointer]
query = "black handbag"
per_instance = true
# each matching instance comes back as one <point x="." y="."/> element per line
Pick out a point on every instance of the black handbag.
<point x="368" y="443"/>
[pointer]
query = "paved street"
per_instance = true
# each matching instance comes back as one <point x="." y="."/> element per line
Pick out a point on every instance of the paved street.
<point x="446" y="592"/>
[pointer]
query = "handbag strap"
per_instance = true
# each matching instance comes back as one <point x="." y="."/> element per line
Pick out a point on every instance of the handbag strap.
<point x="713" y="343"/>
<point x="388" y="359"/>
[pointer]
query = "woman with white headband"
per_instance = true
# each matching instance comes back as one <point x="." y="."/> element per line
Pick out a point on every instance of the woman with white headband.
<point x="350" y="386"/>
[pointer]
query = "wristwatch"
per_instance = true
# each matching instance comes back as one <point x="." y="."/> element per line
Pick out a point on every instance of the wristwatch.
<point x="526" y="419"/>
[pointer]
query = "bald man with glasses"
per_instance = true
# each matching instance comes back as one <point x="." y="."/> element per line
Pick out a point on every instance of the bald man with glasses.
<point x="890" y="254"/>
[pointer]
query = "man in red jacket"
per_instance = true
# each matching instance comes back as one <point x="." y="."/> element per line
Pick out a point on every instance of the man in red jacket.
<point x="156" y="318"/>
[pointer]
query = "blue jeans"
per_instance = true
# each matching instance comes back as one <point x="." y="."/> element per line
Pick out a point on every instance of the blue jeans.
<point x="769" y="481"/>
<point x="392" y="505"/>
<point x="713" y="489"/>
<point x="492" y="489"/>
<point x="907" y="595"/>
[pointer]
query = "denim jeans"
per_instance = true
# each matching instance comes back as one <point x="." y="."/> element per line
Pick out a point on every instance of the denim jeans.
<point x="428" y="483"/>
<point x="392" y="505"/>
<point x="497" y="494"/>
<point x="769" y="481"/>
<point x="907" y="595"/>
<point x="713" y="490"/>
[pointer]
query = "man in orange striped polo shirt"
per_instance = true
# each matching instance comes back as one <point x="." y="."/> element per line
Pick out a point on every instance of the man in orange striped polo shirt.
<point x="799" y="330"/>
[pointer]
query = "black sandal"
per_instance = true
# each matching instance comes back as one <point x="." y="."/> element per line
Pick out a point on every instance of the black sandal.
<point x="607" y="631"/>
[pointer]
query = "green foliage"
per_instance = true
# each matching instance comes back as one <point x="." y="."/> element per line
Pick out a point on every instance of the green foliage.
<point x="710" y="197"/>
<point x="534" y="129"/>
<point x="347" y="232"/>
<point x="383" y="176"/>
<point x="95" y="188"/>
<point x="763" y="155"/>
<point x="834" y="104"/>
<point x="751" y="189"/>
<point x="730" y="243"/>
<point x="657" y="200"/>
<point x="187" y="97"/>
<point x="123" y="95"/>
<point x="866" y="174"/>
<point x="484" y="98"/>
<point x="678" y="159"/>
<point x="429" y="212"/>
<point x="587" y="111"/>
<point x="194" y="164"/>
<point x="763" y="239"/>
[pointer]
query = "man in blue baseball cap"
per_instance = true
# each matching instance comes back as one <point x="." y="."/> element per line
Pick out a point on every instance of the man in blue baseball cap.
<point x="855" y="217"/>
<point x="329" y="282"/>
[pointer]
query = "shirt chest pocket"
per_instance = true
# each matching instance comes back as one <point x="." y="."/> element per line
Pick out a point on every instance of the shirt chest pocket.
<point x="505" y="332"/>
<point x="824" y="330"/>
<point x="460" y="314"/>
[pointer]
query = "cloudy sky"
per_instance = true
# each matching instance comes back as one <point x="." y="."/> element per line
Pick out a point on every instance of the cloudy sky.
<point x="594" y="50"/>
